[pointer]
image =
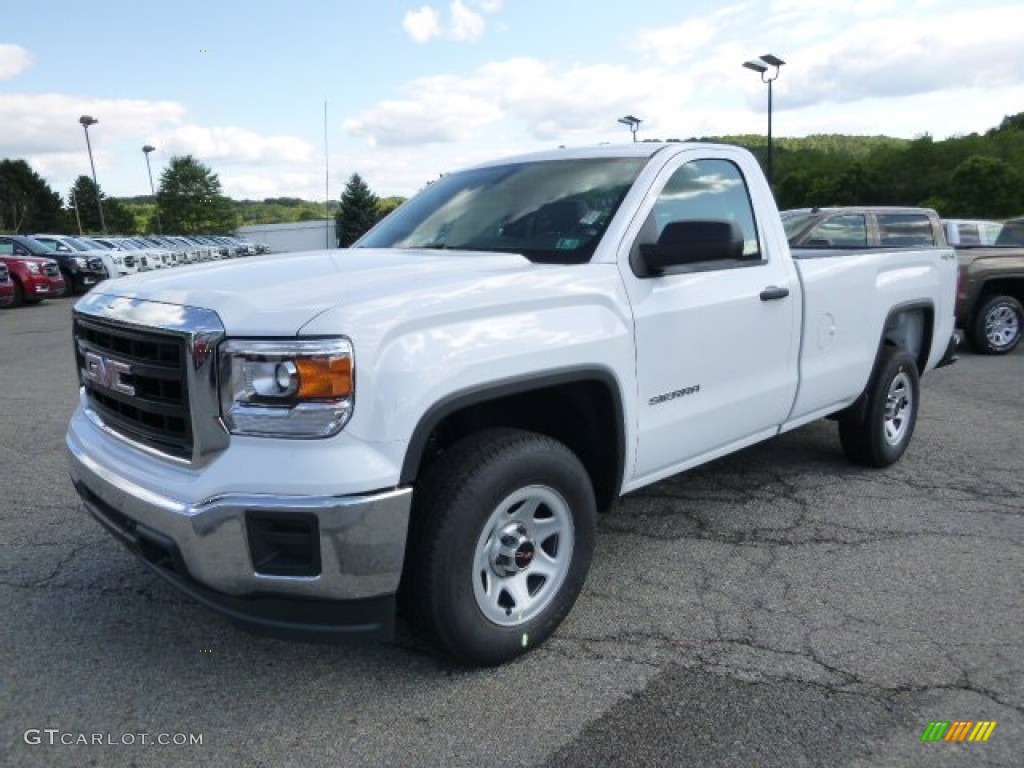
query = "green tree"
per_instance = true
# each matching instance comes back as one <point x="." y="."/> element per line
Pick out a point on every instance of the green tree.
<point x="986" y="186"/>
<point x="190" y="199"/>
<point x="27" y="204"/>
<point x="387" y="204"/>
<point x="358" y="211"/>
<point x="83" y="194"/>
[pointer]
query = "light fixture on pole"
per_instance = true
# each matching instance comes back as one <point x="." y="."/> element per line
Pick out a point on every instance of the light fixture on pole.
<point x="86" y="121"/>
<point x="146" y="150"/>
<point x="768" y="67"/>
<point x="632" y="122"/>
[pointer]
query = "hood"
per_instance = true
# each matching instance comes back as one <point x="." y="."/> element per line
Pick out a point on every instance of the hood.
<point x="278" y="294"/>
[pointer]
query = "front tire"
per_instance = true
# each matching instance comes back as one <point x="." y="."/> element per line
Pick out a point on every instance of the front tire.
<point x="19" y="294"/>
<point x="501" y="543"/>
<point x="997" y="326"/>
<point x="876" y="432"/>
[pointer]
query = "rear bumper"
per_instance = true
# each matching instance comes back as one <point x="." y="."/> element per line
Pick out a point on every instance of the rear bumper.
<point x="310" y="567"/>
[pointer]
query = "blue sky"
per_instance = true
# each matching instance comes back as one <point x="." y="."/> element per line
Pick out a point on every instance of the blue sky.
<point x="415" y="89"/>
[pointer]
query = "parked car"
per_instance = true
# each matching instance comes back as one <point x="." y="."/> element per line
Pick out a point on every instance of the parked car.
<point x="80" y="271"/>
<point x="6" y="286"/>
<point x="440" y="412"/>
<point x="69" y="247"/>
<point x="33" y="278"/>
<point x="125" y="259"/>
<point x="863" y="227"/>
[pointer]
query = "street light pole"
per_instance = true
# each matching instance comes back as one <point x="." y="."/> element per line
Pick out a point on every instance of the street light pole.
<point x="86" y="121"/>
<point x="632" y="122"/>
<point x="146" y="150"/>
<point x="768" y="67"/>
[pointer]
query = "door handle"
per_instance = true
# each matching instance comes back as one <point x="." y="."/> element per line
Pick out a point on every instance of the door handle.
<point x="773" y="292"/>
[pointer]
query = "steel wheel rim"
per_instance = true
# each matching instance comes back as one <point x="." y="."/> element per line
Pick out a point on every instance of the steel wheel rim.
<point x="899" y="405"/>
<point x="522" y="556"/>
<point x="1001" y="326"/>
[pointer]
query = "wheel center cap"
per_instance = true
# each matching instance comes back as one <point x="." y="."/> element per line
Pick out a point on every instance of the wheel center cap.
<point x="512" y="551"/>
<point x="524" y="554"/>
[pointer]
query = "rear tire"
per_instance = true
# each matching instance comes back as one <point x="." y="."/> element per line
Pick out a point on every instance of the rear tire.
<point x="997" y="325"/>
<point x="500" y="545"/>
<point x="876" y="432"/>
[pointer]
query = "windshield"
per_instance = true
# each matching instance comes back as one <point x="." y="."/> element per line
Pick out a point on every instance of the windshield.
<point x="1011" y="234"/>
<point x="551" y="211"/>
<point x="78" y="245"/>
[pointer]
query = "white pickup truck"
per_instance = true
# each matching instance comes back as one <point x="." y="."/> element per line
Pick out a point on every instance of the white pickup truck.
<point x="434" y="417"/>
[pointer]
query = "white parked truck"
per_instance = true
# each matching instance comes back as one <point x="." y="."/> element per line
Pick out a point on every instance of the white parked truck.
<point x="435" y="417"/>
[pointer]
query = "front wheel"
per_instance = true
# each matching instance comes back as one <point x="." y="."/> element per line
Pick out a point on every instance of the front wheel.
<point x="501" y="543"/>
<point x="997" y="325"/>
<point x="876" y="432"/>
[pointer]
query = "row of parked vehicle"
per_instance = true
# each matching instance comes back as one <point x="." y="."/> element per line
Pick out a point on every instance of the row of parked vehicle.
<point x="990" y="290"/>
<point x="37" y="267"/>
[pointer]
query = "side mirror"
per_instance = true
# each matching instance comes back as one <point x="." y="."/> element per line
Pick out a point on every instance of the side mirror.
<point x="693" y="242"/>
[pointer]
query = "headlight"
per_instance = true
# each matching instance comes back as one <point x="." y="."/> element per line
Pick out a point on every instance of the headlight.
<point x="80" y="262"/>
<point x="33" y="267"/>
<point x="286" y="388"/>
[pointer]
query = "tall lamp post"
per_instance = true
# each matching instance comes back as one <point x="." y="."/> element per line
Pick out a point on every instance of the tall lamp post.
<point x="632" y="122"/>
<point x="146" y="150"/>
<point x="768" y="67"/>
<point x="86" y="121"/>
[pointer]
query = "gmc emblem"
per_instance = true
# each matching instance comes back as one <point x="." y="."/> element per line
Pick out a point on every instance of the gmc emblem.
<point x="107" y="373"/>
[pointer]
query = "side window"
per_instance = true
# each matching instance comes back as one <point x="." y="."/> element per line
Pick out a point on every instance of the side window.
<point x="846" y="231"/>
<point x="904" y="230"/>
<point x="6" y="248"/>
<point x="968" y="234"/>
<point x="709" y="189"/>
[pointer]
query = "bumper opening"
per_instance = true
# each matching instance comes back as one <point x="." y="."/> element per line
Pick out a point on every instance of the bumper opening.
<point x="283" y="544"/>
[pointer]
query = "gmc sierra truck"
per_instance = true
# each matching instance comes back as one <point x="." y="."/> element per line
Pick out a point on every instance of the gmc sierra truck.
<point x="433" y="418"/>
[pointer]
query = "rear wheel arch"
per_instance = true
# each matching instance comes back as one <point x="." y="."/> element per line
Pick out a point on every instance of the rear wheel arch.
<point x="910" y="327"/>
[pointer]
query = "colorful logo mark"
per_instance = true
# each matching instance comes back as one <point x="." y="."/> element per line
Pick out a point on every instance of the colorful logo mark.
<point x="958" y="730"/>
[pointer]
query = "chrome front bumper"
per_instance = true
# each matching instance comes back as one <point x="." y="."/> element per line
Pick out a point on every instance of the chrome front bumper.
<point x="206" y="548"/>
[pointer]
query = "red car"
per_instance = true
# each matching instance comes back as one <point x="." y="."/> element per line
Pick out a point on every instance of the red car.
<point x="6" y="287"/>
<point x="34" y="279"/>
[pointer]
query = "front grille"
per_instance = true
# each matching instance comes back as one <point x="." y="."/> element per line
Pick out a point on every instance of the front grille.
<point x="96" y="264"/>
<point x="4" y="273"/>
<point x="157" y="414"/>
<point x="50" y="269"/>
<point x="129" y="260"/>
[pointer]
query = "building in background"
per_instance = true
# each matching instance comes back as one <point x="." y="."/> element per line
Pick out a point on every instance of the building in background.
<point x="292" y="236"/>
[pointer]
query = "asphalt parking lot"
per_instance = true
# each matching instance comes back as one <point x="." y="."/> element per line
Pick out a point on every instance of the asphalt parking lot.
<point x="776" y="608"/>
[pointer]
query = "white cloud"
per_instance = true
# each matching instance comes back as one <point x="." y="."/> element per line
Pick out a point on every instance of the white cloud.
<point x="47" y="123"/>
<point x="422" y="24"/>
<point x="235" y="145"/>
<point x="464" y="24"/>
<point x="546" y="100"/>
<point x="13" y="60"/>
<point x="467" y="24"/>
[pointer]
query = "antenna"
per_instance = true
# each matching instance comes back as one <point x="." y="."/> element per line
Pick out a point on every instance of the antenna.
<point x="327" y="187"/>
